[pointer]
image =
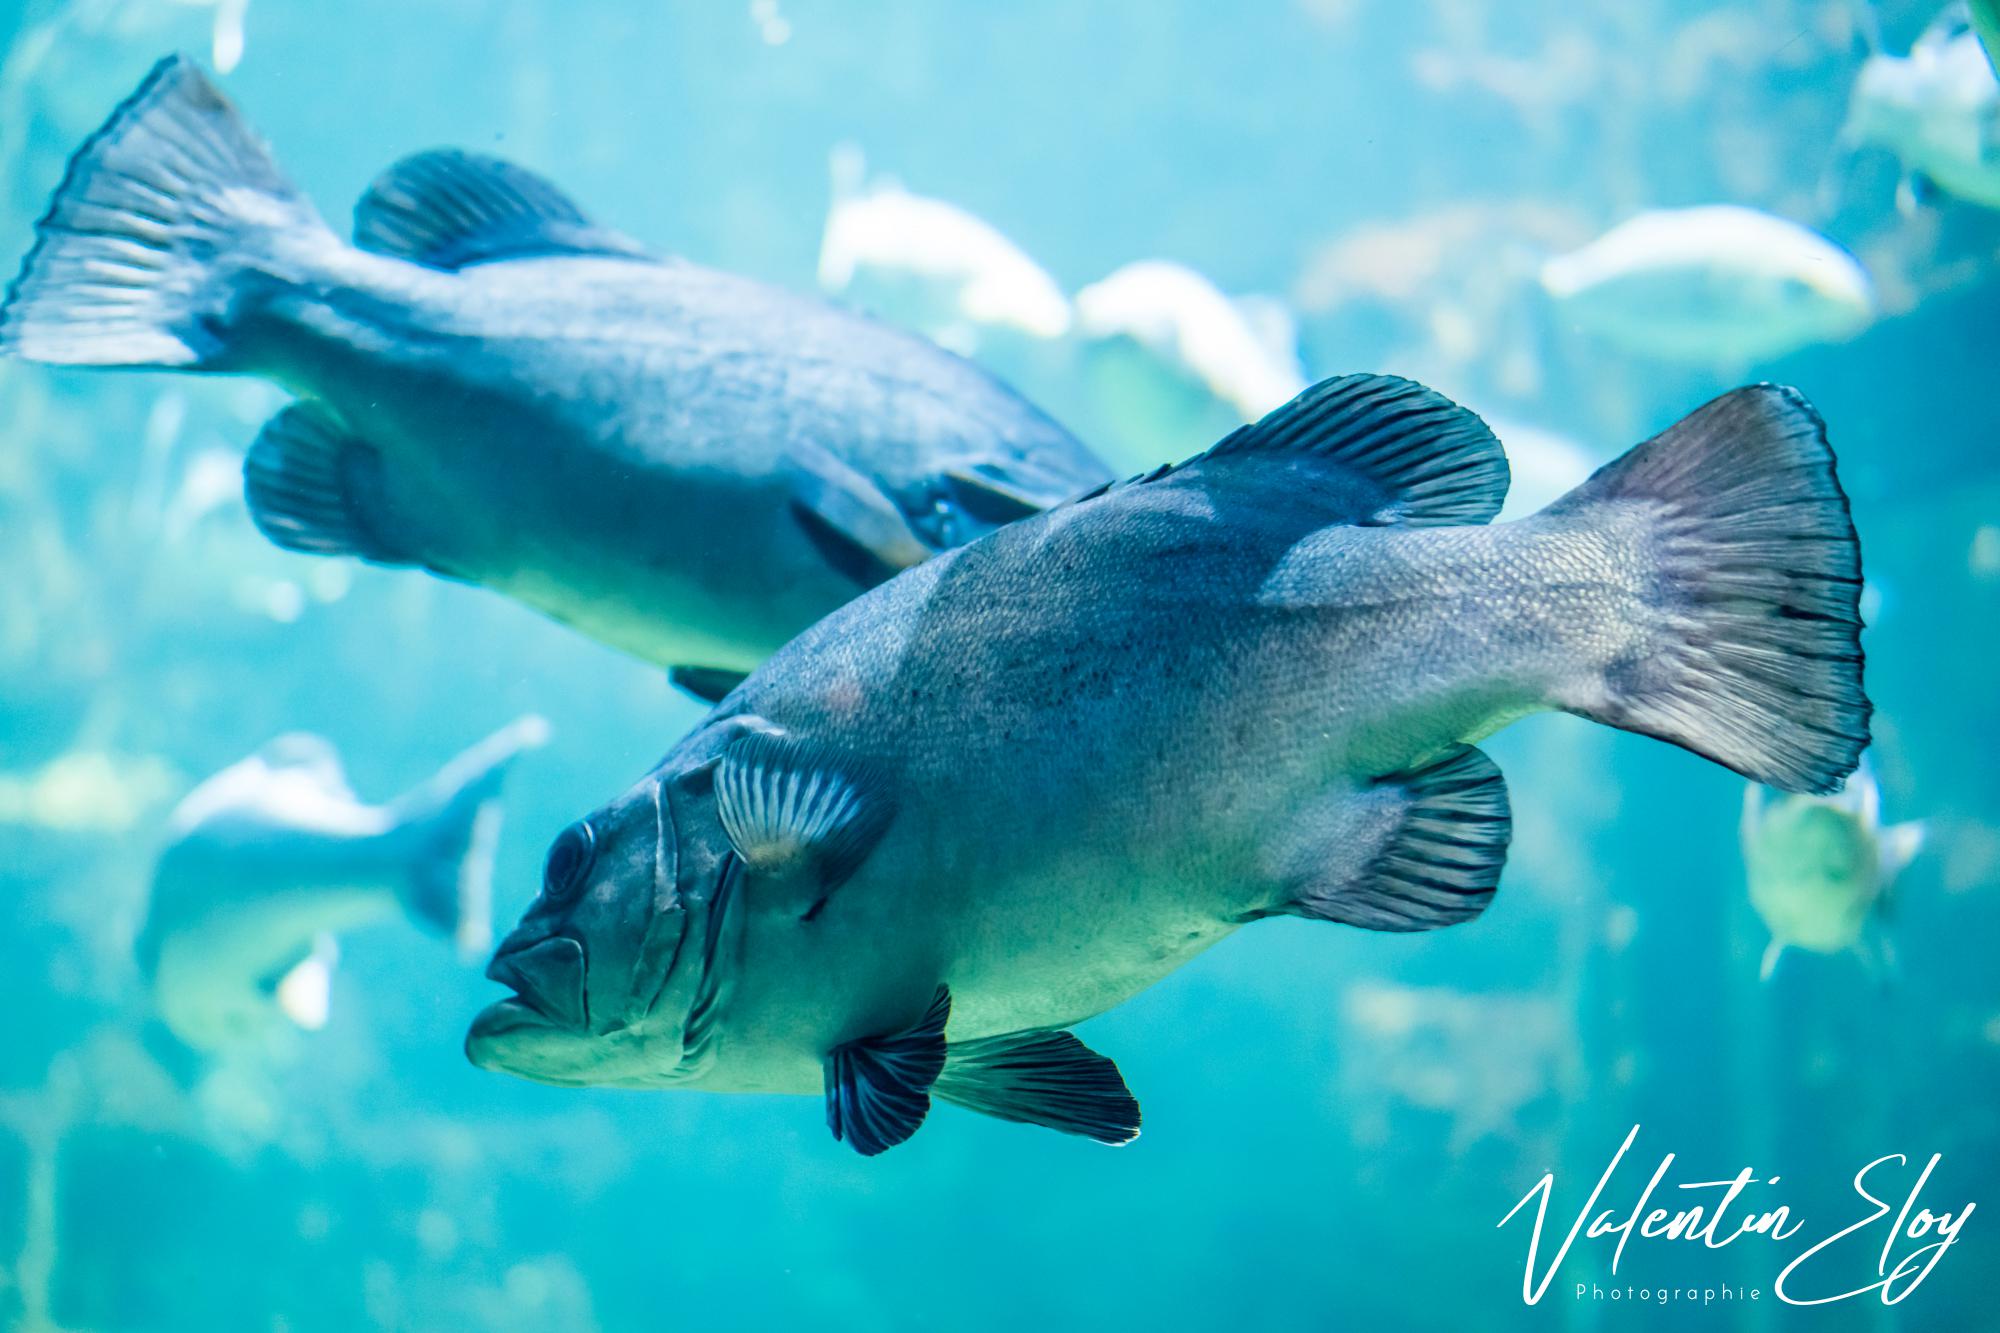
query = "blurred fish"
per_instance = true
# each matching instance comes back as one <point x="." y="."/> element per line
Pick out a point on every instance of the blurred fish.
<point x="684" y="464"/>
<point x="943" y="270"/>
<point x="1017" y="785"/>
<point x="1820" y="867"/>
<point x="1246" y="355"/>
<point x="269" y="859"/>
<point x="1937" y="109"/>
<point x="1717" y="285"/>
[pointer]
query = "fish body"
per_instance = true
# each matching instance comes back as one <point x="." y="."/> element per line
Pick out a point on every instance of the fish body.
<point x="1714" y="285"/>
<point x="685" y="464"/>
<point x="1013" y="787"/>
<point x="1937" y="109"/>
<point x="1820" y="868"/>
<point x="272" y="858"/>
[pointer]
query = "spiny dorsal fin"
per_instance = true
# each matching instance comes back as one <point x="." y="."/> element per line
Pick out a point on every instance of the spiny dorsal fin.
<point x="793" y="807"/>
<point x="448" y="209"/>
<point x="878" y="1089"/>
<point x="1041" y="1078"/>
<point x="314" y="487"/>
<point x="1423" y="460"/>
<point x="1437" y="861"/>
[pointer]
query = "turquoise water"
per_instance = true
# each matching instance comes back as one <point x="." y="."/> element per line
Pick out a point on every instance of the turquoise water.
<point x="1335" y="1120"/>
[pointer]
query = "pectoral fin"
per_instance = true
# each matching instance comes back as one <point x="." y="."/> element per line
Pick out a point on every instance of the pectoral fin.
<point x="305" y="991"/>
<point x="1041" y="1078"/>
<point x="878" y="1089"/>
<point x="313" y="486"/>
<point x="1416" y="851"/>
<point x="708" y="684"/>
<point x="857" y="528"/>
<point x="800" y="811"/>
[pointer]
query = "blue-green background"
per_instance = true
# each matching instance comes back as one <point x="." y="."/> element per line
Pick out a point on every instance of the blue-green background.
<point x="1307" y="1162"/>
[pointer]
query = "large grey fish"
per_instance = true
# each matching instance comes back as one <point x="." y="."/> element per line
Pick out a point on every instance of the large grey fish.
<point x="268" y="860"/>
<point x="682" y="463"/>
<point x="1014" y="786"/>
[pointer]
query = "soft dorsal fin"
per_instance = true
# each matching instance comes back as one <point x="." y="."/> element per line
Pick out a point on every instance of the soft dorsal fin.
<point x="878" y="1090"/>
<point x="1041" y="1078"/>
<point x="1420" y="459"/>
<point x="793" y="809"/>
<point x="448" y="209"/>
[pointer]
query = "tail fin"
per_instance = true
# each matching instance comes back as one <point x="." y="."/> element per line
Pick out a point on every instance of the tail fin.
<point x="454" y="820"/>
<point x="129" y="266"/>
<point x="1748" y="563"/>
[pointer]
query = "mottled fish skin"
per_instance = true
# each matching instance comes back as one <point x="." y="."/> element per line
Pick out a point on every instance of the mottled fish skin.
<point x="1101" y="739"/>
<point x="688" y="465"/>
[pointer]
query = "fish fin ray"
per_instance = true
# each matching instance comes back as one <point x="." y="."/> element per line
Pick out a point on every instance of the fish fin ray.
<point x="711" y="685"/>
<point x="1415" y="458"/>
<point x="314" y="487"/>
<point x="449" y="209"/>
<point x="1041" y="1078"/>
<point x="790" y="806"/>
<point x="1432" y="858"/>
<point x="1752" y="651"/>
<point x="132" y="260"/>
<point x="878" y="1089"/>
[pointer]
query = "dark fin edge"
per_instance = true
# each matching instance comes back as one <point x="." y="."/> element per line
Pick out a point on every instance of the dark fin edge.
<point x="1441" y="863"/>
<point x="1756" y="659"/>
<point x="878" y="1089"/>
<point x="313" y="487"/>
<point x="1049" y="1079"/>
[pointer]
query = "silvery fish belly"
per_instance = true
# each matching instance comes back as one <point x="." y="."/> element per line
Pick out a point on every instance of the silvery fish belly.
<point x="1016" y="785"/>
<point x="685" y="464"/>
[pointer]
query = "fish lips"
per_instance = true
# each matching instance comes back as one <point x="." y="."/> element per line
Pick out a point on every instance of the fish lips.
<point x="547" y="978"/>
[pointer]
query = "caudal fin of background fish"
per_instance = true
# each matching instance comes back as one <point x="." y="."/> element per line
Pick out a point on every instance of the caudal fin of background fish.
<point x="1753" y="576"/>
<point x="136" y="260"/>
<point x="453" y="825"/>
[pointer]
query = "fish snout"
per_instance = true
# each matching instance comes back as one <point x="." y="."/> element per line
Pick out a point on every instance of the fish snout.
<point x="546" y="976"/>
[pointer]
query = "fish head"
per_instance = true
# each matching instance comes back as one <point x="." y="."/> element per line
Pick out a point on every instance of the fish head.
<point x="608" y="963"/>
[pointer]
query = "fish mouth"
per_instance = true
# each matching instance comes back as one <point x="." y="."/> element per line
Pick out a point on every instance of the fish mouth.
<point x="547" y="977"/>
<point x="513" y="1037"/>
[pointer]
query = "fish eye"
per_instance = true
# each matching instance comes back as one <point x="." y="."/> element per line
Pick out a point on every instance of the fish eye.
<point x="570" y="859"/>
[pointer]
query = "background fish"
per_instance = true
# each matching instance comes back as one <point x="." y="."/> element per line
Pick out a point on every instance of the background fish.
<point x="1937" y="109"/>
<point x="1717" y="285"/>
<point x="270" y="859"/>
<point x="1246" y="357"/>
<point x="1820" y="867"/>
<point x="684" y="464"/>
<point x="1015" y="786"/>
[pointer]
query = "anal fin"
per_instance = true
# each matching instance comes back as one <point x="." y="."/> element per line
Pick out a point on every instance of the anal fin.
<point x="1423" y="849"/>
<point x="314" y="487"/>
<point x="1041" y="1078"/>
<point x="878" y="1090"/>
